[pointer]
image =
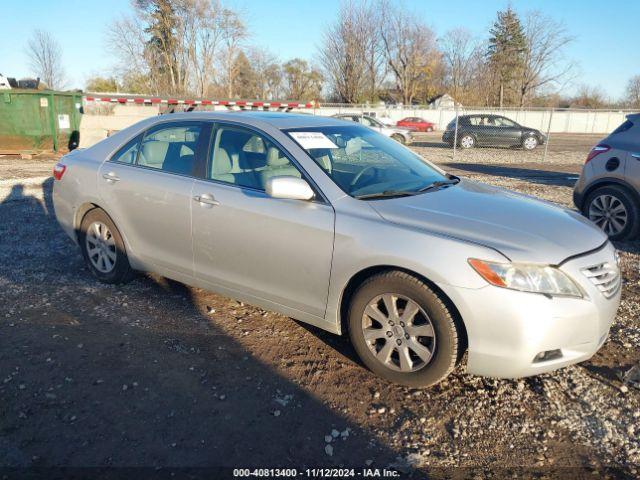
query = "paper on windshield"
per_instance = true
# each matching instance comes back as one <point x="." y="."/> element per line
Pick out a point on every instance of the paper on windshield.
<point x="311" y="140"/>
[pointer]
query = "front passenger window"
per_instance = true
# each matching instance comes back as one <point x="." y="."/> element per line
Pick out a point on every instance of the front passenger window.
<point x="245" y="158"/>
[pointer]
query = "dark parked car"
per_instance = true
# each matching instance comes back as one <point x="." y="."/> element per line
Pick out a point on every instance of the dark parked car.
<point x="491" y="131"/>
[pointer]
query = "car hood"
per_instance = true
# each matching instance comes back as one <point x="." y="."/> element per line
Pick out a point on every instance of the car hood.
<point x="521" y="227"/>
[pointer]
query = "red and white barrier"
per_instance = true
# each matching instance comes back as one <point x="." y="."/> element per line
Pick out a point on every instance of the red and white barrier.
<point x="173" y="101"/>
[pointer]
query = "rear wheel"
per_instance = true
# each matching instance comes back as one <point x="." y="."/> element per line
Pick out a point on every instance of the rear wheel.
<point x="467" y="141"/>
<point x="403" y="331"/>
<point x="615" y="211"/>
<point x="103" y="248"/>
<point x="398" y="138"/>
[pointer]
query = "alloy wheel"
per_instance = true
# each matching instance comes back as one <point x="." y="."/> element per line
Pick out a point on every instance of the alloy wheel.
<point x="467" y="141"/>
<point x="530" y="143"/>
<point x="609" y="213"/>
<point x="101" y="247"/>
<point x="398" y="332"/>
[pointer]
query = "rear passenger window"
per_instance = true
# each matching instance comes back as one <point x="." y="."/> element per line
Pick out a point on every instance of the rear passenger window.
<point x="247" y="159"/>
<point x="128" y="153"/>
<point x="170" y="148"/>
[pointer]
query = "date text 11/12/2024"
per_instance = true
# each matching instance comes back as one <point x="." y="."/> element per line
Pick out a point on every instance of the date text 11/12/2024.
<point x="317" y="472"/>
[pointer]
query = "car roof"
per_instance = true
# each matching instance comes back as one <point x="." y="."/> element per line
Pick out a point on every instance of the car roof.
<point x="481" y="115"/>
<point x="280" y="120"/>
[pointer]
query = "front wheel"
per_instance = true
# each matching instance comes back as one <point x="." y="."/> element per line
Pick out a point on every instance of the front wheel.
<point x="398" y="138"/>
<point x="403" y="331"/>
<point x="467" y="141"/>
<point x="103" y="248"/>
<point x="530" y="143"/>
<point x="615" y="211"/>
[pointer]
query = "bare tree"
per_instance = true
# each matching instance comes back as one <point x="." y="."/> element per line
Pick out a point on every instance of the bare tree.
<point x="369" y="23"/>
<point x="125" y="37"/>
<point x="233" y="34"/>
<point x="543" y="65"/>
<point x="186" y="47"/>
<point x="268" y="73"/>
<point x="589" y="97"/>
<point x="410" y="50"/>
<point x="633" y="92"/>
<point x="202" y="34"/>
<point x="343" y="53"/>
<point x="45" y="57"/>
<point x="462" y="57"/>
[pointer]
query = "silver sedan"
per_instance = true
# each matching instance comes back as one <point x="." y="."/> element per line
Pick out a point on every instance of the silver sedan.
<point x="332" y="223"/>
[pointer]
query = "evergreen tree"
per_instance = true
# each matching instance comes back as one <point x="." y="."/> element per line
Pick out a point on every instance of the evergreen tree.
<point x="507" y="46"/>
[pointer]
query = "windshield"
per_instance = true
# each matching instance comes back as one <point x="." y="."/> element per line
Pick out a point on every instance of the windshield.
<point x="364" y="163"/>
<point x="371" y="122"/>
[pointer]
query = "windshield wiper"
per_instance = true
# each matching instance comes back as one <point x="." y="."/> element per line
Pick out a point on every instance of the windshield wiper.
<point x="438" y="184"/>
<point x="386" y="194"/>
<point x="408" y="193"/>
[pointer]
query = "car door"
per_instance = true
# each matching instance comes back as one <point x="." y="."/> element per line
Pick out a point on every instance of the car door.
<point x="254" y="246"/>
<point x="510" y="132"/>
<point x="489" y="132"/>
<point x="146" y="188"/>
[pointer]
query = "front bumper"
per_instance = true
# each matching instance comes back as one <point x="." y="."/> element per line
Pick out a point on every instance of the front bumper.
<point x="506" y="329"/>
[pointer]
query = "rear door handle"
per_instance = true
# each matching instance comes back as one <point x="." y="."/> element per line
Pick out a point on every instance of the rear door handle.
<point x="111" y="177"/>
<point x="206" y="200"/>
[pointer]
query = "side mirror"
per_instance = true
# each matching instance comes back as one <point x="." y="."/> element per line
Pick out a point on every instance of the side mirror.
<point x="293" y="188"/>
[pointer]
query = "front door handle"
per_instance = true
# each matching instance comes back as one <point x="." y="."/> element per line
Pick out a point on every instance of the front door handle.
<point x="111" y="177"/>
<point x="206" y="200"/>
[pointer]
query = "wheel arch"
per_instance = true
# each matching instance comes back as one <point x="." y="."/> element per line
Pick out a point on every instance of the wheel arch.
<point x="609" y="182"/>
<point x="397" y="135"/>
<point x="358" y="278"/>
<point x="81" y="212"/>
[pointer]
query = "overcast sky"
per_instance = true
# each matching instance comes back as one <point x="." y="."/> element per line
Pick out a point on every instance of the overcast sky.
<point x="605" y="46"/>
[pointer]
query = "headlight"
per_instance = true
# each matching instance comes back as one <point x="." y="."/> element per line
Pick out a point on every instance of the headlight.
<point x="527" y="278"/>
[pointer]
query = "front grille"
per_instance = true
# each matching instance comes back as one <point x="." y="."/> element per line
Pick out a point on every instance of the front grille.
<point x="605" y="276"/>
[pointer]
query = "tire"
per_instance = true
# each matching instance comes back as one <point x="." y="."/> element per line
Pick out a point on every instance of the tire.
<point x="445" y="345"/>
<point x="429" y="129"/>
<point x="467" y="141"/>
<point x="622" y="207"/>
<point x="530" y="143"/>
<point x="103" y="249"/>
<point x="398" y="138"/>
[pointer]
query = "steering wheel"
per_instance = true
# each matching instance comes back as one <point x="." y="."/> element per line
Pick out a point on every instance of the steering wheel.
<point x="356" y="179"/>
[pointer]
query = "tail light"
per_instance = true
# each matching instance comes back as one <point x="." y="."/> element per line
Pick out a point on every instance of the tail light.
<point x="58" y="170"/>
<point x="597" y="150"/>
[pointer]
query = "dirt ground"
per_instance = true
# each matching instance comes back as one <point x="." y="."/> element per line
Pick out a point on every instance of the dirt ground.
<point x="159" y="375"/>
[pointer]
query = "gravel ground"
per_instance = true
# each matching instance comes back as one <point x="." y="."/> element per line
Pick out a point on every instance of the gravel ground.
<point x="161" y="375"/>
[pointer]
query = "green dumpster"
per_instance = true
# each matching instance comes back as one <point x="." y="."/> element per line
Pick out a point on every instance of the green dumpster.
<point x="34" y="121"/>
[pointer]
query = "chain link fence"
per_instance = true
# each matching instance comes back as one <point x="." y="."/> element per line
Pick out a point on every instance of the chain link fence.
<point x="495" y="135"/>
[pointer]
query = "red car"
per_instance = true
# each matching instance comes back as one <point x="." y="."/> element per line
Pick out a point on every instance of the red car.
<point x="417" y="124"/>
